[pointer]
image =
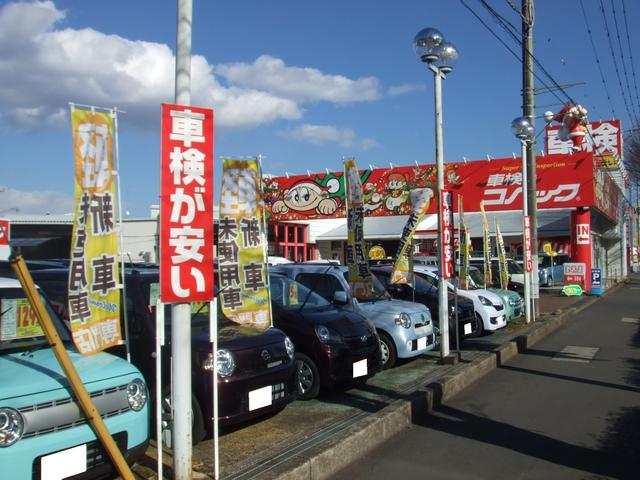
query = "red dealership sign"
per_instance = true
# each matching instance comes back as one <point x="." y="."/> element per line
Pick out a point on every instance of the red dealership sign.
<point x="563" y="181"/>
<point x="186" y="204"/>
<point x="607" y="136"/>
<point x="5" y="235"/>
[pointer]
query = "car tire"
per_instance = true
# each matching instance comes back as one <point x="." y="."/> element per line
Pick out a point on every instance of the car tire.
<point x="481" y="330"/>
<point x="388" y="354"/>
<point x="308" y="377"/>
<point x="198" y="431"/>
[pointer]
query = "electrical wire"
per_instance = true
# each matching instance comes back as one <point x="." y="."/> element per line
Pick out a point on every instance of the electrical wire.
<point x="624" y="63"/>
<point x="633" y="69"/>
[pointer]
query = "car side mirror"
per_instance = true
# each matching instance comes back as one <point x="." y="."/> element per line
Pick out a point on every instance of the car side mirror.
<point x="394" y="289"/>
<point x="340" y="298"/>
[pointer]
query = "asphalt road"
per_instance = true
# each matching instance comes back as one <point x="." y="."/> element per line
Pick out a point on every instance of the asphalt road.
<point x="554" y="412"/>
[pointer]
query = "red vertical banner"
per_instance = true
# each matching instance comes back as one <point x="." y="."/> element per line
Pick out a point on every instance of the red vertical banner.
<point x="446" y="239"/>
<point x="186" y="204"/>
<point x="528" y="256"/>
<point x="5" y="235"/>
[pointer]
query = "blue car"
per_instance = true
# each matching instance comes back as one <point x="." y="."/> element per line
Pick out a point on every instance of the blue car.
<point x="42" y="428"/>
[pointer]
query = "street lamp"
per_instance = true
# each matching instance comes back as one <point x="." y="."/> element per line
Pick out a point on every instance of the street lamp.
<point x="526" y="133"/>
<point x="440" y="56"/>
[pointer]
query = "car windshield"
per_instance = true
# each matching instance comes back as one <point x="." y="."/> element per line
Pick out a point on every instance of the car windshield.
<point x="476" y="277"/>
<point x="291" y="295"/>
<point x="379" y="292"/>
<point x="19" y="327"/>
<point x="513" y="267"/>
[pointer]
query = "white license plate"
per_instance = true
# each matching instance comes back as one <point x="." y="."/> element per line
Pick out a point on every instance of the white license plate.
<point x="422" y="343"/>
<point x="64" y="464"/>
<point x="259" y="398"/>
<point x="360" y="368"/>
<point x="467" y="328"/>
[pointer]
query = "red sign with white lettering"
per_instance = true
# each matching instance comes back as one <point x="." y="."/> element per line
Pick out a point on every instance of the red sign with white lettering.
<point x="186" y="204"/>
<point x="575" y="274"/>
<point x="528" y="256"/>
<point x="5" y="235"/>
<point x="446" y="236"/>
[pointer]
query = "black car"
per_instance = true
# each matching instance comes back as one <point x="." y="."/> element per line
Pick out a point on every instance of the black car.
<point x="333" y="346"/>
<point x="426" y="293"/>
<point x="246" y="362"/>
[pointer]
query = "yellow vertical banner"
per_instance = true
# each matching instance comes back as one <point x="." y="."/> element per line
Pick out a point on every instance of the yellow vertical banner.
<point x="486" y="248"/>
<point x="463" y="247"/>
<point x="502" y="258"/>
<point x="94" y="276"/>
<point x="420" y="201"/>
<point x="466" y="253"/>
<point x="360" y="278"/>
<point x="242" y="270"/>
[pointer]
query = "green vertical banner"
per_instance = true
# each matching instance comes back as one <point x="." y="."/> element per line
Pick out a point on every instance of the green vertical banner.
<point x="486" y="248"/>
<point x="360" y="278"/>
<point x="402" y="268"/>
<point x="502" y="258"/>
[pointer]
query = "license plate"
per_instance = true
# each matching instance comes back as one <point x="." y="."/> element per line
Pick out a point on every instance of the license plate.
<point x="422" y="343"/>
<point x="360" y="368"/>
<point x="64" y="464"/>
<point x="467" y="328"/>
<point x="260" y="398"/>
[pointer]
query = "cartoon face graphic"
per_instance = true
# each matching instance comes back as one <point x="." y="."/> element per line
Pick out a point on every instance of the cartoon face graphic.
<point x="305" y="197"/>
<point x="396" y="181"/>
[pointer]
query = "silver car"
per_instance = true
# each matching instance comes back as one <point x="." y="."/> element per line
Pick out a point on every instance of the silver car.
<point x="405" y="328"/>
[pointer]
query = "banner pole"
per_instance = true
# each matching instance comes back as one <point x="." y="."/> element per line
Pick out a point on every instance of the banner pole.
<point x="159" y="399"/>
<point x="213" y="338"/>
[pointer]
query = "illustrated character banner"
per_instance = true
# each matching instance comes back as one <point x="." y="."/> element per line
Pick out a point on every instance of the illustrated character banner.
<point x="94" y="274"/>
<point x="563" y="181"/>
<point x="242" y="270"/>
<point x="420" y="201"/>
<point x="360" y="278"/>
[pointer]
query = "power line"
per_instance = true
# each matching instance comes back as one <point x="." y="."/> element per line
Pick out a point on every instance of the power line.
<point x="633" y="69"/>
<point x="595" y="53"/>
<point x="624" y="64"/>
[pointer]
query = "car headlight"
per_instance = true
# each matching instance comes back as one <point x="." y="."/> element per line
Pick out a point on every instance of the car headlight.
<point x="513" y="301"/>
<point x="484" y="301"/>
<point x="137" y="394"/>
<point x="326" y="335"/>
<point x="11" y="426"/>
<point x="288" y="344"/>
<point x="225" y="363"/>
<point x="403" y="320"/>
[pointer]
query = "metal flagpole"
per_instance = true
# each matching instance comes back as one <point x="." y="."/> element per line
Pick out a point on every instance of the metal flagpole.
<point x="213" y="338"/>
<point x="159" y="399"/>
<point x="525" y="213"/>
<point x="114" y="116"/>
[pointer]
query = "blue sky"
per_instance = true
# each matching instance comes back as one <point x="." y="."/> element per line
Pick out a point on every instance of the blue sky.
<point x="302" y="83"/>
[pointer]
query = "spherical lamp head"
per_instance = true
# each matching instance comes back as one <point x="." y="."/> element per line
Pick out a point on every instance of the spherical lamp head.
<point x="548" y="116"/>
<point x="425" y="41"/>
<point x="447" y="56"/>
<point x="522" y="129"/>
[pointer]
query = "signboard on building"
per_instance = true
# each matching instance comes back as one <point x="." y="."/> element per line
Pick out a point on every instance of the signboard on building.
<point x="583" y="235"/>
<point x="563" y="181"/>
<point x="575" y="274"/>
<point x="186" y="204"/>
<point x="608" y="142"/>
<point x="5" y="236"/>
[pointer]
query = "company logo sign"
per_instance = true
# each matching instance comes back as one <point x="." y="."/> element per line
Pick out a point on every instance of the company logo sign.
<point x="583" y="234"/>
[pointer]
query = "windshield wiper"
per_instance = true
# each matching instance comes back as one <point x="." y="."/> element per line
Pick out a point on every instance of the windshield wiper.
<point x="315" y="281"/>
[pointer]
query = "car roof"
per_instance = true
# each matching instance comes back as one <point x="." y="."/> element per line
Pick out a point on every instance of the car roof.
<point x="9" y="283"/>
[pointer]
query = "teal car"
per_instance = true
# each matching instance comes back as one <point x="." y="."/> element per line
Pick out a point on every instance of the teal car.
<point x="513" y="302"/>
<point x="43" y="432"/>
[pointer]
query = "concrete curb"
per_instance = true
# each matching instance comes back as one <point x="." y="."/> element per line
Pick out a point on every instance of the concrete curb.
<point x="323" y="461"/>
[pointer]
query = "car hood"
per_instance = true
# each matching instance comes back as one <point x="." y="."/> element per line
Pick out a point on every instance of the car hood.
<point x="39" y="371"/>
<point x="238" y="338"/>
<point x="492" y="297"/>
<point x="393" y="306"/>
<point x="343" y="322"/>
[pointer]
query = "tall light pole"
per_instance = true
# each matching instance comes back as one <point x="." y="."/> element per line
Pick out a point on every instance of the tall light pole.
<point x="525" y="132"/>
<point x="440" y="56"/>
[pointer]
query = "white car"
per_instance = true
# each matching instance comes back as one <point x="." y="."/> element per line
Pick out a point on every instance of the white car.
<point x="488" y="305"/>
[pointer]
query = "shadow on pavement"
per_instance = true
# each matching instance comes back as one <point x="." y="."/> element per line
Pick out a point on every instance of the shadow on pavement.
<point x="600" y="462"/>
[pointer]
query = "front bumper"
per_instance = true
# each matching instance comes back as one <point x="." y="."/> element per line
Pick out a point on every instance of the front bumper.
<point x="342" y="364"/>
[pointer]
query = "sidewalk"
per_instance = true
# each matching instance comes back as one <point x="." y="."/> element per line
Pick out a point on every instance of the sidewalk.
<point x="314" y="439"/>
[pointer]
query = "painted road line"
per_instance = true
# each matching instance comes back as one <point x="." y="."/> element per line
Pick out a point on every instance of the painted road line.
<point x="630" y="320"/>
<point x="576" y="354"/>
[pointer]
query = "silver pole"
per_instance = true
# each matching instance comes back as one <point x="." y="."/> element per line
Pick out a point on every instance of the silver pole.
<point x="443" y="318"/>
<point x="525" y="212"/>
<point x="159" y="400"/>
<point x="181" y="312"/>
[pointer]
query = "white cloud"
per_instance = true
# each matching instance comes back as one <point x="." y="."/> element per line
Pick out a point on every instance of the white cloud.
<point x="25" y="202"/>
<point x="321" y="134"/>
<point x="405" y="88"/>
<point x="43" y="66"/>
<point x="301" y="84"/>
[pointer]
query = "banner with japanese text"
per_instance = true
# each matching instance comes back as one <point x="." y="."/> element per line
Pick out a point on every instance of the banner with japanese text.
<point x="360" y="278"/>
<point x="486" y="248"/>
<point x="446" y="238"/>
<point x="242" y="269"/>
<point x="502" y="258"/>
<point x="94" y="274"/>
<point x="5" y="236"/>
<point x="186" y="204"/>
<point x="420" y="201"/>
<point x="463" y="257"/>
<point x="466" y="254"/>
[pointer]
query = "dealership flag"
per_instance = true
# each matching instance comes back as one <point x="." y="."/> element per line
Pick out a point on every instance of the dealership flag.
<point x="502" y="258"/>
<point x="463" y="256"/>
<point x="94" y="278"/>
<point x="486" y="248"/>
<point x="360" y="278"/>
<point x="242" y="270"/>
<point x="420" y="201"/>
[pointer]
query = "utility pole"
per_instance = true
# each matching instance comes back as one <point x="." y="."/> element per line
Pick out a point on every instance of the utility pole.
<point x="528" y="111"/>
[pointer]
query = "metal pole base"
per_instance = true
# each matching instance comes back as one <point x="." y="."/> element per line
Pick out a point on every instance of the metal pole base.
<point x="451" y="359"/>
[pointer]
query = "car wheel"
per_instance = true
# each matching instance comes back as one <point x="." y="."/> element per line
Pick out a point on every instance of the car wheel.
<point x="198" y="431"/>
<point x="308" y="377"/>
<point x="388" y="355"/>
<point x="480" y="325"/>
